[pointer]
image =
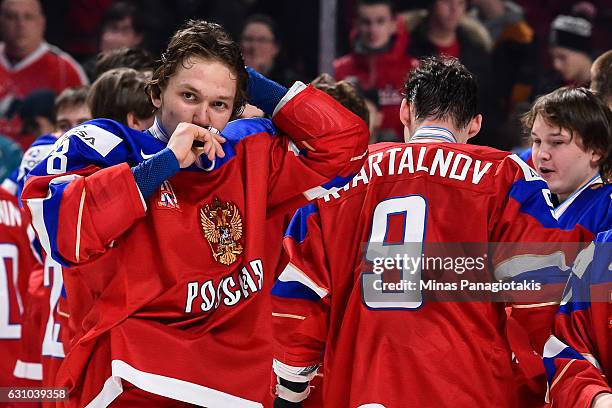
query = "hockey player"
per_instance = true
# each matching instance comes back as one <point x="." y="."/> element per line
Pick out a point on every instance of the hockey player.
<point x="165" y="239"/>
<point x="384" y="339"/>
<point x="571" y="132"/>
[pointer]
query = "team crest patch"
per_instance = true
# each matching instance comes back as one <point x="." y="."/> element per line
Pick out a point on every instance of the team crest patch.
<point x="167" y="198"/>
<point x="222" y="225"/>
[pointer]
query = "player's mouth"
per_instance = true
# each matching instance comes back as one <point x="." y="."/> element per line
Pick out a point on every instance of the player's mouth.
<point x="545" y="172"/>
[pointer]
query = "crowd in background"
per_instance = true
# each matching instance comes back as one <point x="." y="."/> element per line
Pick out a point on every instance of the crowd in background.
<point x="517" y="49"/>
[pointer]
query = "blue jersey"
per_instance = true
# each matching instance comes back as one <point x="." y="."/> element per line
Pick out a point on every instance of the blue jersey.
<point x="589" y="207"/>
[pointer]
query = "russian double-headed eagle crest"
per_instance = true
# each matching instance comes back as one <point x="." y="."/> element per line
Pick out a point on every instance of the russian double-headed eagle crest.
<point x="222" y="227"/>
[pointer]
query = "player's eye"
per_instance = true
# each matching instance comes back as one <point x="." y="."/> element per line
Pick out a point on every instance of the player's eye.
<point x="189" y="96"/>
<point x="220" y="105"/>
<point x="537" y="141"/>
<point x="63" y="127"/>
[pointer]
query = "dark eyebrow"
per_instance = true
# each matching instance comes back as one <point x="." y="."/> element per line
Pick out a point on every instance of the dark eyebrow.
<point x="226" y="98"/>
<point x="197" y="92"/>
<point x="557" y="134"/>
<point x="190" y="88"/>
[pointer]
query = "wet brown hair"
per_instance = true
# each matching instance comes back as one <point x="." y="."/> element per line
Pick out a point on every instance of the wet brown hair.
<point x="206" y="40"/>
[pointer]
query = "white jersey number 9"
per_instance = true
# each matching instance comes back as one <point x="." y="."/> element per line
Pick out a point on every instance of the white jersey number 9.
<point x="376" y="292"/>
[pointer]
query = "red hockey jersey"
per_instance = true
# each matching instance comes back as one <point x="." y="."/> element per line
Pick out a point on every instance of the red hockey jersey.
<point x="47" y="67"/>
<point x="170" y="294"/>
<point x="397" y="346"/>
<point x="578" y="358"/>
<point x="17" y="261"/>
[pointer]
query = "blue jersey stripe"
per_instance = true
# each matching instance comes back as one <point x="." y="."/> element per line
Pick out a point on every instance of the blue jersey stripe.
<point x="572" y="307"/>
<point x="549" y="362"/>
<point x="338" y="181"/>
<point x="298" y="227"/>
<point x="51" y="215"/>
<point x="548" y="275"/>
<point x="294" y="290"/>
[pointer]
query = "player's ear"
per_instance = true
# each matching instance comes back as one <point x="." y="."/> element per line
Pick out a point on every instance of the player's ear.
<point x="474" y="126"/>
<point x="404" y="113"/>
<point x="595" y="158"/>
<point x="155" y="94"/>
<point x="133" y="121"/>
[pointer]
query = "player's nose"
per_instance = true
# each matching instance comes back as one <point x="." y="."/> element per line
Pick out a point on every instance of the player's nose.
<point x="543" y="154"/>
<point x="201" y="116"/>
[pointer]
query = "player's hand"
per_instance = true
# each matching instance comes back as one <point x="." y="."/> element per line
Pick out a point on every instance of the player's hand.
<point x="602" y="401"/>
<point x="181" y="144"/>
<point x="251" y="111"/>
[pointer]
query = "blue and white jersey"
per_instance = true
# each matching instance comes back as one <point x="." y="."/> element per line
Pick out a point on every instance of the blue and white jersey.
<point x="590" y="206"/>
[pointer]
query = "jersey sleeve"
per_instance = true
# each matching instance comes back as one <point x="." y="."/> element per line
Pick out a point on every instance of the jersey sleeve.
<point x="301" y="300"/>
<point x="325" y="148"/>
<point x="530" y="246"/>
<point x="83" y="195"/>
<point x="571" y="356"/>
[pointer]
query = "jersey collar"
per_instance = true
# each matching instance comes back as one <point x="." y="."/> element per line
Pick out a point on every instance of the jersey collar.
<point x="158" y="131"/>
<point x="433" y="134"/>
<point x="558" y="212"/>
<point x="30" y="59"/>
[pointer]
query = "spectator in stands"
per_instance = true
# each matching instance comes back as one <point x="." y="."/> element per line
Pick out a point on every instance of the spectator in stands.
<point x="261" y="49"/>
<point x="444" y="29"/>
<point x="379" y="61"/>
<point x="135" y="58"/>
<point x="514" y="53"/>
<point x="122" y="26"/>
<point x="570" y="49"/>
<point x="601" y="77"/>
<point x="27" y="62"/>
<point x="131" y="105"/>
